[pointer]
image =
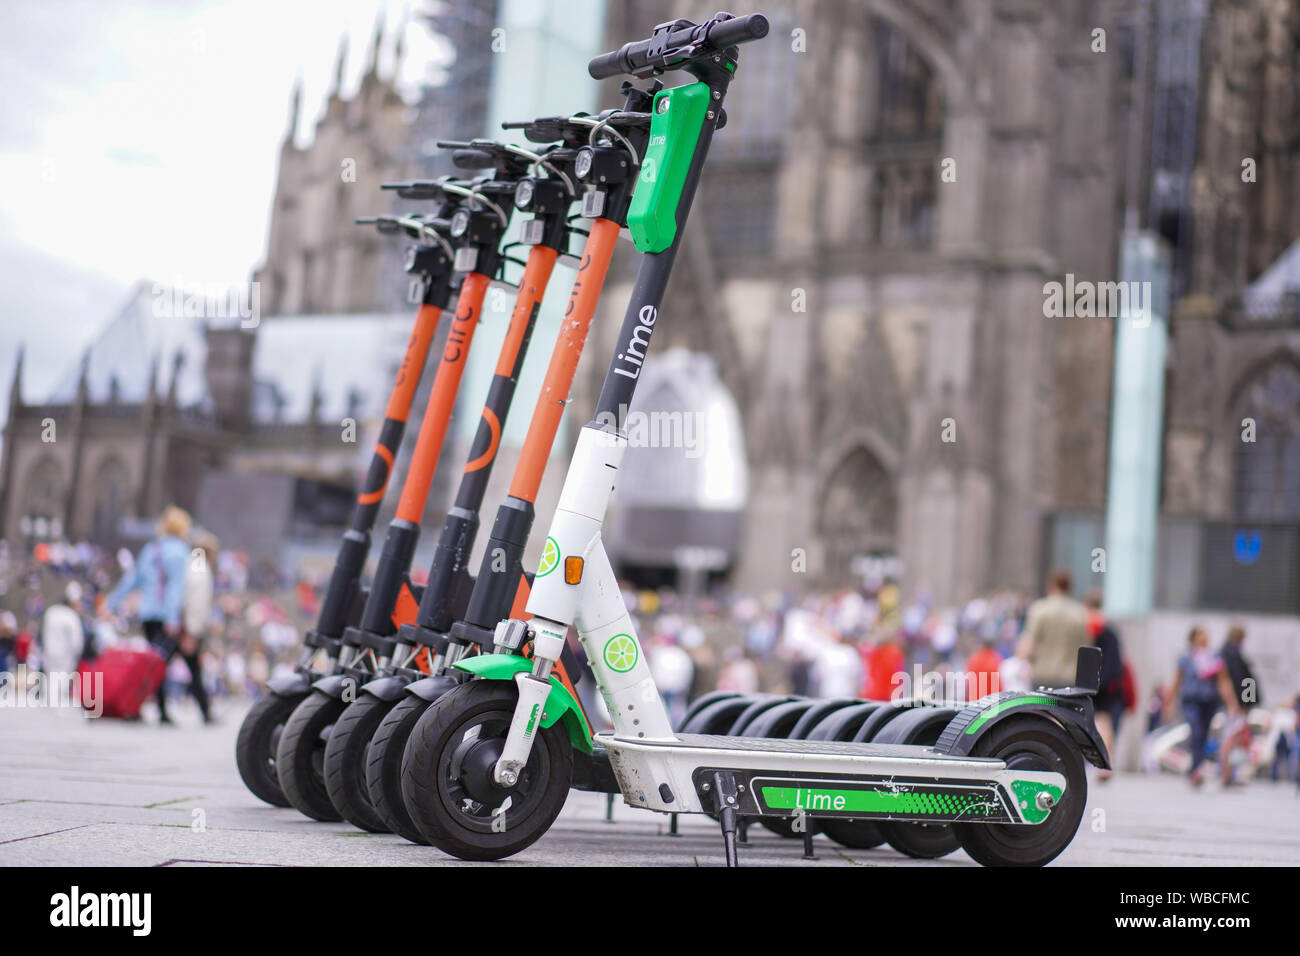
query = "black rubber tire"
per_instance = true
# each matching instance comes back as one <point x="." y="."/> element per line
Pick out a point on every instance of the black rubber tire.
<point x="345" y="761"/>
<point x="437" y="743"/>
<point x="300" y="758"/>
<point x="717" y="717"/>
<point x="777" y="722"/>
<point x="1040" y="744"/>
<point x="704" y="700"/>
<point x="854" y="834"/>
<point x="758" y="706"/>
<point x="843" y="723"/>
<point x="815" y="714"/>
<point x="384" y="767"/>
<point x="921" y="841"/>
<point x="255" y="748"/>
<point x="873" y="725"/>
<point x="920" y="726"/>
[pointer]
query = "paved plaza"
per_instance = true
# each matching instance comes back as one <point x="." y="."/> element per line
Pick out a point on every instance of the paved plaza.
<point x="103" y="792"/>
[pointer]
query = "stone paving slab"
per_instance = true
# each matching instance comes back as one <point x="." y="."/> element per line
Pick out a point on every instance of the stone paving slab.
<point x="104" y="793"/>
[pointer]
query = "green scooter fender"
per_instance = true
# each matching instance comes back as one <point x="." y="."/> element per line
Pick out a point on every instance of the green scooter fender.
<point x="560" y="704"/>
<point x="1072" y="711"/>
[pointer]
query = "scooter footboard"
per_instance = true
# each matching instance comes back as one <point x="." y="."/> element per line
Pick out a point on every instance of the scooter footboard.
<point x="828" y="780"/>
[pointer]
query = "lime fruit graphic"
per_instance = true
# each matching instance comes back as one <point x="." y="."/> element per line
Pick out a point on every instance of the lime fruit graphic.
<point x="550" y="558"/>
<point x="621" y="653"/>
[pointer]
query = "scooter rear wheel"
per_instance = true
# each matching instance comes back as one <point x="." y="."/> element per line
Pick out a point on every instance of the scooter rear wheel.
<point x="300" y="757"/>
<point x="259" y="735"/>
<point x="447" y="780"/>
<point x="704" y="700"/>
<point x="384" y="767"/>
<point x="842" y="724"/>
<point x="1030" y="743"/>
<point x="918" y="726"/>
<point x="345" y="761"/>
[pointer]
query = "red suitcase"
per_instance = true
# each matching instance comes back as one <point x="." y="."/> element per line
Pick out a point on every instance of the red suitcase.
<point x="129" y="679"/>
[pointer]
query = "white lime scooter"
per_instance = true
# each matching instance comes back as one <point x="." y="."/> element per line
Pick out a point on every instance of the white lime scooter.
<point x="487" y="768"/>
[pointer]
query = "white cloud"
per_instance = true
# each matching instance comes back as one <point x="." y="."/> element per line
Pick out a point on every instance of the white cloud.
<point x="140" y="140"/>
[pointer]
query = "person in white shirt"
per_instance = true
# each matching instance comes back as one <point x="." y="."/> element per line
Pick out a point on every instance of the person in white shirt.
<point x="63" y="637"/>
<point x="196" y="612"/>
<point x="196" y="606"/>
<point x="837" y="668"/>
<point x="673" y="670"/>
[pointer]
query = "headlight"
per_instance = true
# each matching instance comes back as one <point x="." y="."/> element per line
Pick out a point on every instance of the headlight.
<point x="524" y="194"/>
<point x="582" y="165"/>
<point x="459" y="223"/>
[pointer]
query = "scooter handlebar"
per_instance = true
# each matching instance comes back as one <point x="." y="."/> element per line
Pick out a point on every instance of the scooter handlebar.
<point x="472" y="159"/>
<point x="716" y="34"/>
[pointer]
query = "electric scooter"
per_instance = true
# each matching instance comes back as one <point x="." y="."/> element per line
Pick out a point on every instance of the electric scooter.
<point x="604" y="153"/>
<point x="430" y="265"/>
<point x="446" y="591"/>
<point x="488" y="766"/>
<point x="476" y="228"/>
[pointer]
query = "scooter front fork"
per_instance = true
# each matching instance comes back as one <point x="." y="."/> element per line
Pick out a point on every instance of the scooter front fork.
<point x="534" y="688"/>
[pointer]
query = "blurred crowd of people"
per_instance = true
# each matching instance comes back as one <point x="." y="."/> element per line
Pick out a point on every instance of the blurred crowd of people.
<point x="225" y="631"/>
<point x="872" y="643"/>
<point x="857" y="642"/>
<point x="62" y="603"/>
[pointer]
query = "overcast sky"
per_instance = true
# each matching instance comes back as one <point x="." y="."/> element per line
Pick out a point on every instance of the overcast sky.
<point x="138" y="140"/>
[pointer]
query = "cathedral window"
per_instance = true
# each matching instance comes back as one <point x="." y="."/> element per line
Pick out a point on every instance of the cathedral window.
<point x="904" y="131"/>
<point x="1268" y="468"/>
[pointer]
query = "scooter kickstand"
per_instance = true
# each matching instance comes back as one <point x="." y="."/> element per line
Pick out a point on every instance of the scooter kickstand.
<point x="808" y="853"/>
<point x="725" y="799"/>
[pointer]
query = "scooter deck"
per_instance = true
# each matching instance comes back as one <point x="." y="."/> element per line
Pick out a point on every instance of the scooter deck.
<point x="827" y="779"/>
<point x="814" y="747"/>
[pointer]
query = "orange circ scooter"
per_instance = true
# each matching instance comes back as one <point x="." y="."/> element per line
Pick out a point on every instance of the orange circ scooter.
<point x="301" y="749"/>
<point x="430" y="263"/>
<point x="606" y="164"/>
<point x="475" y="259"/>
<point x="447" y="589"/>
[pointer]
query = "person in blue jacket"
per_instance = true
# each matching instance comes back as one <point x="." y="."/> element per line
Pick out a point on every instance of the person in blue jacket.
<point x="158" y="576"/>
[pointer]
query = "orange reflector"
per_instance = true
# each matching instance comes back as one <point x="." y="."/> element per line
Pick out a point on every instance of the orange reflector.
<point x="572" y="570"/>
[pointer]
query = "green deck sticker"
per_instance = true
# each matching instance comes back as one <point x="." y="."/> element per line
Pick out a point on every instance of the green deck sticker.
<point x="896" y="801"/>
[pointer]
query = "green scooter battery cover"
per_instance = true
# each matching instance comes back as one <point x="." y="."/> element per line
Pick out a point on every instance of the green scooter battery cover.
<point x="675" y="125"/>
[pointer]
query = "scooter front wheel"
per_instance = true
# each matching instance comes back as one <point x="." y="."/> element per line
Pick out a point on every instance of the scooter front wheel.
<point x="447" y="780"/>
<point x="1030" y="743"/>
<point x="259" y="735"/>
<point x="345" y="761"/>
<point x="384" y="767"/>
<point x="300" y="756"/>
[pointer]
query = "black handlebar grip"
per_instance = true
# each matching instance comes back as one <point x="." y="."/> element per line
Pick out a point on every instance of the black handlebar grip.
<point x="609" y="64"/>
<point x="752" y="26"/>
<point x="472" y="159"/>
